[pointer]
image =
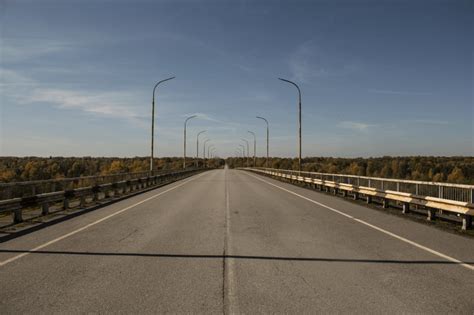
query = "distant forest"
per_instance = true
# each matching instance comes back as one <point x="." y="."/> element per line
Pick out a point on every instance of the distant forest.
<point x="14" y="169"/>
<point x="425" y="168"/>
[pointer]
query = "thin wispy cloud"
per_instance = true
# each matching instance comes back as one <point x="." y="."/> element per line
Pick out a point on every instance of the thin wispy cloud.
<point x="20" y="49"/>
<point x="13" y="78"/>
<point x="211" y="118"/>
<point x="354" y="125"/>
<point x="27" y="91"/>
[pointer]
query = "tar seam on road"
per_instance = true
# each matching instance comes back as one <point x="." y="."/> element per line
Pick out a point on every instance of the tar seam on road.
<point x="228" y="288"/>
<point x="401" y="238"/>
<point x="5" y="262"/>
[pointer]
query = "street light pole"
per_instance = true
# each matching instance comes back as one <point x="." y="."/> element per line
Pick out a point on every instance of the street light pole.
<point x="197" y="147"/>
<point x="184" y="153"/>
<point x="268" y="133"/>
<point x="204" y="151"/>
<point x="254" y="147"/>
<point x="248" y="151"/>
<point x="243" y="153"/>
<point x="153" y="121"/>
<point x="208" y="149"/>
<point x="299" y="119"/>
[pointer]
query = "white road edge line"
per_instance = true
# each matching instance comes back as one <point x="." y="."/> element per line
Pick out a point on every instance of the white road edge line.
<point x="5" y="262"/>
<point x="401" y="238"/>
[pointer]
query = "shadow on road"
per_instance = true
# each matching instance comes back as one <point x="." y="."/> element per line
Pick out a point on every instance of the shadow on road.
<point x="240" y="257"/>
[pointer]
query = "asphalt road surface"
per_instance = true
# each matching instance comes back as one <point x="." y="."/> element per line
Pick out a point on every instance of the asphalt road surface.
<point x="228" y="241"/>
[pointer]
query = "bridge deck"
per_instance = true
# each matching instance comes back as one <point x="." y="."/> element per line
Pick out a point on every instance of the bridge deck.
<point x="232" y="241"/>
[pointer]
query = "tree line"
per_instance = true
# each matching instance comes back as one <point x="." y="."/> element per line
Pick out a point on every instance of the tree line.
<point x="424" y="168"/>
<point x="14" y="169"/>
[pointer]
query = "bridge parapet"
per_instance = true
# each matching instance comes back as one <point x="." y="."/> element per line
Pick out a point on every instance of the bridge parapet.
<point x="36" y="187"/>
<point x="97" y="189"/>
<point x="433" y="197"/>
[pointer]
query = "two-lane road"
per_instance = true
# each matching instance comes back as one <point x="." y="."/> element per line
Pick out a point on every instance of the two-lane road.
<point x="232" y="241"/>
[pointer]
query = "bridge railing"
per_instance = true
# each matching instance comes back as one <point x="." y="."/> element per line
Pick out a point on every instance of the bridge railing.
<point x="454" y="198"/>
<point x="36" y="187"/>
<point x="39" y="197"/>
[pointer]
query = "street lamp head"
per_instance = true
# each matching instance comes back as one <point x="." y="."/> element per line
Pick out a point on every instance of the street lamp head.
<point x="170" y="78"/>
<point x="285" y="80"/>
<point x="190" y="117"/>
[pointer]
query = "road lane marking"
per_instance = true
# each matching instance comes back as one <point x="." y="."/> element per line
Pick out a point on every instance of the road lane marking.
<point x="230" y="298"/>
<point x="5" y="262"/>
<point x="401" y="238"/>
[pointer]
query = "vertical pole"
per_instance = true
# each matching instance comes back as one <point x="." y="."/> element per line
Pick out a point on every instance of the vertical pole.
<point x="254" y="152"/>
<point x="248" y="155"/>
<point x="299" y="121"/>
<point x="152" y="130"/>
<point x="268" y="135"/>
<point x="184" y="139"/>
<point x="184" y="155"/>
<point x="153" y="121"/>
<point x="299" y="109"/>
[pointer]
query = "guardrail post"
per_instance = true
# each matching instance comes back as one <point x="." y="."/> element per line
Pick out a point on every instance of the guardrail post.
<point x="95" y="193"/>
<point x="66" y="203"/>
<point x="405" y="208"/>
<point x="82" y="202"/>
<point x="466" y="222"/>
<point x="45" y="208"/>
<point x="107" y="192"/>
<point x="17" y="215"/>
<point x="431" y="214"/>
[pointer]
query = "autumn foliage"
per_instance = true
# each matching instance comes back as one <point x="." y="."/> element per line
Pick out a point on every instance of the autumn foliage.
<point x="38" y="168"/>
<point x="423" y="168"/>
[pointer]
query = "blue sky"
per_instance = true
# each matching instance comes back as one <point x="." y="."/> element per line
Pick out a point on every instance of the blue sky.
<point x="377" y="77"/>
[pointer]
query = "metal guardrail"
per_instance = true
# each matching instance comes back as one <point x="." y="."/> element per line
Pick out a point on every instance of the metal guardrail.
<point x="32" y="188"/>
<point x="433" y="196"/>
<point x="121" y="184"/>
<point x="448" y="191"/>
